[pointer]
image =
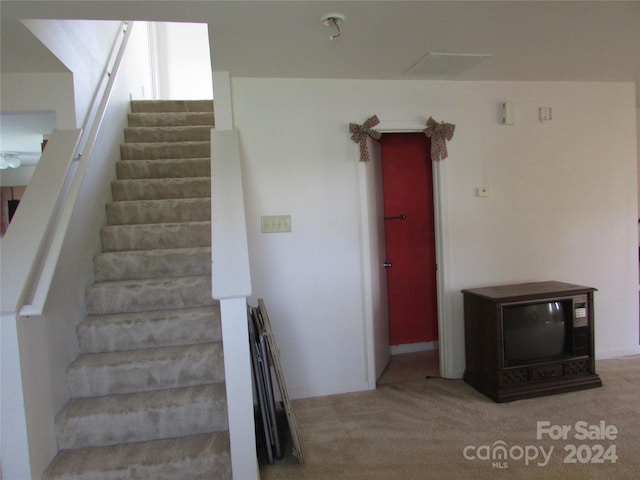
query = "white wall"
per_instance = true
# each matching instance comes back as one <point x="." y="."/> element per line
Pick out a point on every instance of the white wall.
<point x="563" y="205"/>
<point x="24" y="132"/>
<point x="83" y="47"/>
<point x="34" y="93"/>
<point x="183" y="61"/>
<point x="638" y="128"/>
<point x="37" y="92"/>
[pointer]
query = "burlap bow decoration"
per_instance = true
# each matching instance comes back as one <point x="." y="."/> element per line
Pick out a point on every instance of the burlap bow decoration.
<point x="439" y="133"/>
<point x="361" y="132"/>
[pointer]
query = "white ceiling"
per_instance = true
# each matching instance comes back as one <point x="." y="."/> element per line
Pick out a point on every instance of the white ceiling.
<point x="527" y="40"/>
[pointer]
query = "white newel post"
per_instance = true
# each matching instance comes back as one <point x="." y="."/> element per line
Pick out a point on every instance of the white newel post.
<point x="13" y="423"/>
<point x="237" y="370"/>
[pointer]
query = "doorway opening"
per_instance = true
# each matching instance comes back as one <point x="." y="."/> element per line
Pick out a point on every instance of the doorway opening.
<point x="410" y="250"/>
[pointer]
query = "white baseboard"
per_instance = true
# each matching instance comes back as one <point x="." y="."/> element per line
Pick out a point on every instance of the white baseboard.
<point x="617" y="353"/>
<point x="413" y="347"/>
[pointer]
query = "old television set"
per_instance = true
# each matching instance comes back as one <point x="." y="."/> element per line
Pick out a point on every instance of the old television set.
<point x="545" y="330"/>
<point x="530" y="339"/>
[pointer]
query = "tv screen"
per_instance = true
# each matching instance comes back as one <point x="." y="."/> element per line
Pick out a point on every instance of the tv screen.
<point x="534" y="332"/>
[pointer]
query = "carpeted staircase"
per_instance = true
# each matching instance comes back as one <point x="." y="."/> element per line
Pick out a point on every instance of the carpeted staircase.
<point x="148" y="393"/>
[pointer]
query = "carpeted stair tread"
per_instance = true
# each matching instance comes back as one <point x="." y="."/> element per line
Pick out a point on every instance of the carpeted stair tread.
<point x="170" y="119"/>
<point x="195" y="457"/>
<point x="149" y="294"/>
<point x="158" y="328"/>
<point x="142" y="416"/>
<point x="138" y="264"/>
<point x="112" y="373"/>
<point x="164" y="150"/>
<point x="164" y="106"/>
<point x="168" y="133"/>
<point x="159" y="235"/>
<point x="161" y="188"/>
<point x="164" y="168"/>
<point x="158" y="211"/>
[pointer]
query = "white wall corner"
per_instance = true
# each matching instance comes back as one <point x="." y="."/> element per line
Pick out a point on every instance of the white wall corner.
<point x="222" y="100"/>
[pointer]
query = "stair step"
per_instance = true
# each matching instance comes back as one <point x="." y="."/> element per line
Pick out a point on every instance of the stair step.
<point x="113" y="373"/>
<point x="185" y="458"/>
<point x="140" y="417"/>
<point x="161" y="188"/>
<point x="158" y="211"/>
<point x="159" y="328"/>
<point x="168" y="134"/>
<point x="173" y="119"/>
<point x="164" y="168"/>
<point x="165" y="150"/>
<point x="138" y="264"/>
<point x="160" y="235"/>
<point x="171" y="106"/>
<point x="151" y="294"/>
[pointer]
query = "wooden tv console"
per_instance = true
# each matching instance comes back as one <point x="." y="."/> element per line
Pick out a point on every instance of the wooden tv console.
<point x="484" y="348"/>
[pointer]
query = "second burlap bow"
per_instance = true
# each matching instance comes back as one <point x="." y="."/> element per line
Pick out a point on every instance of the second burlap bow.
<point x="439" y="133"/>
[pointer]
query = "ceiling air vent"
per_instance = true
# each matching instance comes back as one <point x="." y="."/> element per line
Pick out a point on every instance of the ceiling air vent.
<point x="446" y="64"/>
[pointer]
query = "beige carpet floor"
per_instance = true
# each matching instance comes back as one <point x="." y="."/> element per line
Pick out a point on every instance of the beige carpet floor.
<point x="415" y="428"/>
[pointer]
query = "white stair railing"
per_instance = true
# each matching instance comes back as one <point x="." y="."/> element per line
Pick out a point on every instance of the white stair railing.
<point x="67" y="197"/>
<point x="30" y="251"/>
<point x="231" y="284"/>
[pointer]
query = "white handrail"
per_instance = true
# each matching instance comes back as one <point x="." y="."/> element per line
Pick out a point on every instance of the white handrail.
<point x="113" y="61"/>
<point x="42" y="284"/>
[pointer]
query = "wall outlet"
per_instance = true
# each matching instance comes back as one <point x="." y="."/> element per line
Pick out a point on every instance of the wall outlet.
<point x="276" y="223"/>
<point x="483" y="192"/>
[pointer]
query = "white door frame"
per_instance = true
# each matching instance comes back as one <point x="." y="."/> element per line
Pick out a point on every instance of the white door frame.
<point x="445" y="320"/>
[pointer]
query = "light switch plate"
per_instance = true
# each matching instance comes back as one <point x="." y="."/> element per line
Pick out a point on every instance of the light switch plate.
<point x="545" y="114"/>
<point x="276" y="223"/>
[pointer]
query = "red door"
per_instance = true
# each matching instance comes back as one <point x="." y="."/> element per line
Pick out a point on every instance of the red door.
<point x="410" y="237"/>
